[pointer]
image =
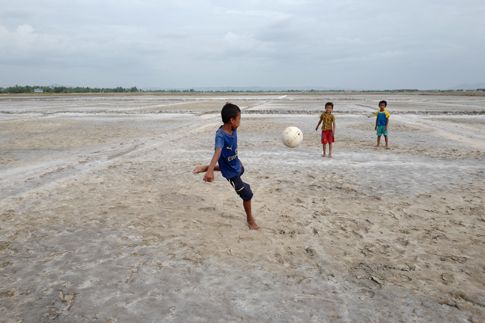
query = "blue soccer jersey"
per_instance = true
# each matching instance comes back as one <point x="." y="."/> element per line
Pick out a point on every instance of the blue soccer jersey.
<point x="229" y="163"/>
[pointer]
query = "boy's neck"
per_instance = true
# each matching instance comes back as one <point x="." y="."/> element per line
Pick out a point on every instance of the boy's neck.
<point x="227" y="128"/>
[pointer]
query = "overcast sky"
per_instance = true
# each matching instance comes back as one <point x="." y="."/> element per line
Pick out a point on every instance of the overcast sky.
<point x="351" y="44"/>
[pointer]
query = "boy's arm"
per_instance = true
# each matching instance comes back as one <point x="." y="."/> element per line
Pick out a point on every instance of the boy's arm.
<point x="387" y="122"/>
<point x="209" y="175"/>
<point x="334" y="127"/>
<point x="318" y="125"/>
<point x="209" y="169"/>
<point x="375" y="128"/>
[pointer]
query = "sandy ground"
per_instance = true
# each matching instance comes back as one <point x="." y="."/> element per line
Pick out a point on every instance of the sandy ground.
<point x="102" y="220"/>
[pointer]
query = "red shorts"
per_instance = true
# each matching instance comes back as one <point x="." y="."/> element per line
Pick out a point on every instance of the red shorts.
<point x="327" y="137"/>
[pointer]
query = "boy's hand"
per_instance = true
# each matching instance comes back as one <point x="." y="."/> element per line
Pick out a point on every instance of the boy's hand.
<point x="375" y="128"/>
<point x="209" y="176"/>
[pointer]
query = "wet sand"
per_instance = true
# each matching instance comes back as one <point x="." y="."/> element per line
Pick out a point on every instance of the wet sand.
<point x="102" y="220"/>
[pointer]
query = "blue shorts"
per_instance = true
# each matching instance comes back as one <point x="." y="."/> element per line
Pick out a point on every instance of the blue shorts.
<point x="242" y="189"/>
<point x="381" y="130"/>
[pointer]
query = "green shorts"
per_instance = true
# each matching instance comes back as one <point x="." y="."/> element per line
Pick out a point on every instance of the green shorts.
<point x="381" y="130"/>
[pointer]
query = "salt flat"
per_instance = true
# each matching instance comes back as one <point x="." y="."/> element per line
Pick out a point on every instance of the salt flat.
<point x="102" y="220"/>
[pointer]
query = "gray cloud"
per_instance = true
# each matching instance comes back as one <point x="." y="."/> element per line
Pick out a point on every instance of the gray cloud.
<point x="336" y="44"/>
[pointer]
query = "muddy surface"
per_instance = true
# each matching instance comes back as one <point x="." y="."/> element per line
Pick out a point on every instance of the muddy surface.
<point x="102" y="220"/>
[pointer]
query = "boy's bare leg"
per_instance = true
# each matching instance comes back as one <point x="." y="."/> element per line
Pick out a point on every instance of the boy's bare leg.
<point x="324" y="150"/>
<point x="203" y="168"/>
<point x="378" y="141"/>
<point x="251" y="222"/>
<point x="387" y="142"/>
<point x="330" y="150"/>
<point x="200" y="169"/>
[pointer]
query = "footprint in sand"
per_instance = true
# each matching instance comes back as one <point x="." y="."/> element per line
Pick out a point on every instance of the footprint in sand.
<point x="310" y="251"/>
<point x="453" y="258"/>
<point x="447" y="278"/>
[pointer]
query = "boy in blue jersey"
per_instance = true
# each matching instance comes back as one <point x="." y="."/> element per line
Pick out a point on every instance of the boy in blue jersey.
<point x="382" y="121"/>
<point x="226" y="159"/>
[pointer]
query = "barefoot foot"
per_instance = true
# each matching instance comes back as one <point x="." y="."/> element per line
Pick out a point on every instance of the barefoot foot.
<point x="198" y="169"/>
<point x="252" y="225"/>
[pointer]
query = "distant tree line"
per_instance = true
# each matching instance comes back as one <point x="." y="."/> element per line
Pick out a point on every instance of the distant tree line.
<point x="65" y="89"/>
<point x="134" y="89"/>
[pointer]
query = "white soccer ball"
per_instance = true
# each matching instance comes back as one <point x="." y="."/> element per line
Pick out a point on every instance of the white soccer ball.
<point x="292" y="137"/>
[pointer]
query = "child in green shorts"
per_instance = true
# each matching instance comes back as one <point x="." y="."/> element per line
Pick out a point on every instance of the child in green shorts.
<point x="382" y="123"/>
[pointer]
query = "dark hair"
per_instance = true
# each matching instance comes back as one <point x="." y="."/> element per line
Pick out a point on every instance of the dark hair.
<point x="383" y="101"/>
<point x="329" y="104"/>
<point x="229" y="111"/>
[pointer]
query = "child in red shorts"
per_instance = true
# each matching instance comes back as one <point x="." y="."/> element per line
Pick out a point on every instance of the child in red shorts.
<point x="328" y="128"/>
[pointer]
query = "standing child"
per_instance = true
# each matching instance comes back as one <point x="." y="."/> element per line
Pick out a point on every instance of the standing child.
<point x="227" y="160"/>
<point x="328" y="128"/>
<point x="382" y="122"/>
